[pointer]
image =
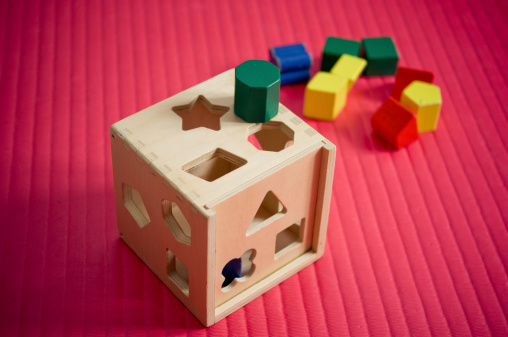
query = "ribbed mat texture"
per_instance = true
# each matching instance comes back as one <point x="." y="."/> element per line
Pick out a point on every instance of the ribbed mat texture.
<point x="417" y="240"/>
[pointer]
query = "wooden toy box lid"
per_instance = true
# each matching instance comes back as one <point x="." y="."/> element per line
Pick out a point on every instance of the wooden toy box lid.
<point x="156" y="134"/>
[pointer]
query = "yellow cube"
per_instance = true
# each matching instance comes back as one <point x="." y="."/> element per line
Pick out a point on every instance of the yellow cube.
<point x="325" y="96"/>
<point x="424" y="100"/>
<point x="350" y="67"/>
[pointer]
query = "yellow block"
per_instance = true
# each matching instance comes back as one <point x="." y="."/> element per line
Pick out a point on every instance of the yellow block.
<point x="350" y="67"/>
<point x="424" y="100"/>
<point x="325" y="96"/>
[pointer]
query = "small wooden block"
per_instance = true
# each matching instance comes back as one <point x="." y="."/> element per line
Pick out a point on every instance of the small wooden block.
<point x="405" y="76"/>
<point x="381" y="56"/>
<point x="350" y="67"/>
<point x="335" y="48"/>
<point x="257" y="90"/>
<point x="295" y="76"/>
<point x="291" y="57"/>
<point x="424" y="100"/>
<point x="325" y="96"/>
<point x="395" y="124"/>
<point x="294" y="62"/>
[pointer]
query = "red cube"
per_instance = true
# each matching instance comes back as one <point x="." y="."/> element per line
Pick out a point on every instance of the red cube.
<point x="395" y="124"/>
<point x="405" y="76"/>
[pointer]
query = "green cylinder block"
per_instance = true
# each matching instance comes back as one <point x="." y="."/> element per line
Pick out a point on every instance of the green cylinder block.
<point x="257" y="90"/>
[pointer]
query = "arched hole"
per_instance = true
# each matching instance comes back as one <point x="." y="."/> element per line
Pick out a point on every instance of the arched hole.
<point x="289" y="238"/>
<point x="270" y="210"/>
<point x="238" y="270"/>
<point x="176" y="222"/>
<point x="134" y="204"/>
<point x="177" y="272"/>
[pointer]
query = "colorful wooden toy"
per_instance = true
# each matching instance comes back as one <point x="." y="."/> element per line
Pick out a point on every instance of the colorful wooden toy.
<point x="295" y="76"/>
<point x="381" y="56"/>
<point x="405" y="76"/>
<point x="334" y="48"/>
<point x="294" y="62"/>
<point x="325" y="96"/>
<point x="395" y="124"/>
<point x="350" y="67"/>
<point x="190" y="202"/>
<point x="257" y="90"/>
<point x="424" y="100"/>
<point x="291" y="57"/>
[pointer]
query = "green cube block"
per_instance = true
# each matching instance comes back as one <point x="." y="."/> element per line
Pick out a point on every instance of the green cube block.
<point x="381" y="56"/>
<point x="257" y="90"/>
<point x="334" y="48"/>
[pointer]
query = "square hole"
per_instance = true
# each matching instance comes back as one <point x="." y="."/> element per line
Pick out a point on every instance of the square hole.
<point x="214" y="165"/>
<point x="289" y="238"/>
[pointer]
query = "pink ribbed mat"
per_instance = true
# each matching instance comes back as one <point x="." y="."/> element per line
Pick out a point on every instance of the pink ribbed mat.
<point x="417" y="241"/>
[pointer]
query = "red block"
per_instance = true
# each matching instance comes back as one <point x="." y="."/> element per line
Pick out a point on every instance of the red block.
<point x="405" y="76"/>
<point x="395" y="124"/>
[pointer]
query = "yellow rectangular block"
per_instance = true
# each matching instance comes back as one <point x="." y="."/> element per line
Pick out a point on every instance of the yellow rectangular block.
<point x="325" y="96"/>
<point x="350" y="67"/>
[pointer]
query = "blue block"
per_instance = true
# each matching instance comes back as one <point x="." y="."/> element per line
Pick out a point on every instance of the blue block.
<point x="295" y="48"/>
<point x="296" y="76"/>
<point x="291" y="57"/>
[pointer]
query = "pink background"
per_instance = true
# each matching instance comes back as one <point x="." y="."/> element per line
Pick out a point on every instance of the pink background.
<point x="417" y="241"/>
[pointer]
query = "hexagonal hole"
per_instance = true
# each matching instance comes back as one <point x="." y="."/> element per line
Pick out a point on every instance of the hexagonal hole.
<point x="271" y="136"/>
<point x="134" y="203"/>
<point x="270" y="210"/>
<point x="177" y="272"/>
<point x="289" y="238"/>
<point x="176" y="221"/>
<point x="214" y="165"/>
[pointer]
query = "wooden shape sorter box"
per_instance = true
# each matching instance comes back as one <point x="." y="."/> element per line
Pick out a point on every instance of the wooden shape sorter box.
<point x="188" y="202"/>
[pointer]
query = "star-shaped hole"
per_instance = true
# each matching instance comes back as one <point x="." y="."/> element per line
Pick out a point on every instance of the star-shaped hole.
<point x="200" y="113"/>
